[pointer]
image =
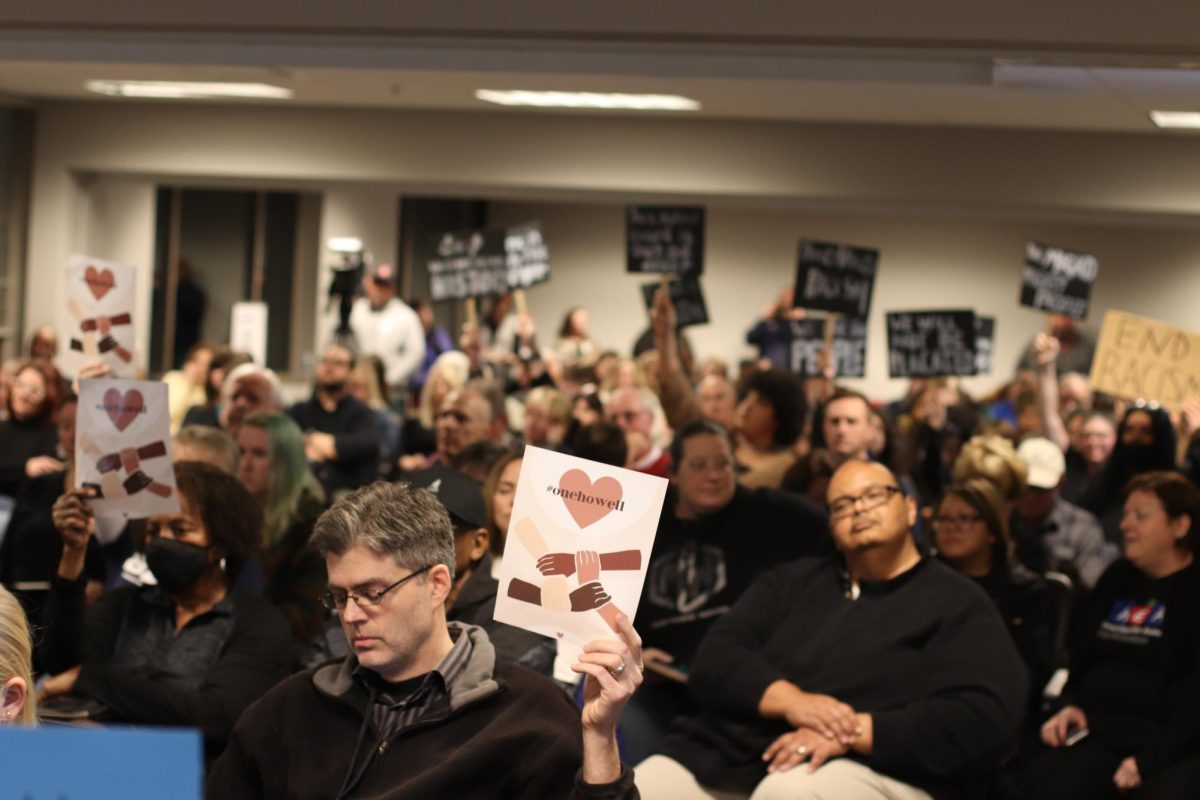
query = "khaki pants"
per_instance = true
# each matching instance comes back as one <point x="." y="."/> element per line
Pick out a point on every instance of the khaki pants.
<point x="661" y="778"/>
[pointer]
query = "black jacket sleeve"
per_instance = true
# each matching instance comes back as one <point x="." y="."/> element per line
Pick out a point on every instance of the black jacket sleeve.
<point x="253" y="658"/>
<point x="69" y="636"/>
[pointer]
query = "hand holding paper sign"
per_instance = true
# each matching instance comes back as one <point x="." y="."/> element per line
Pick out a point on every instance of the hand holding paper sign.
<point x="73" y="518"/>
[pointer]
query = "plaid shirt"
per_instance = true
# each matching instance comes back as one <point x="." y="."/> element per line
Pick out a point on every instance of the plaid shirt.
<point x="394" y="712"/>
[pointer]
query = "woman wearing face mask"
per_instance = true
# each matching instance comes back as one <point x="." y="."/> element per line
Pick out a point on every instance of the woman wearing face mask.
<point x="1145" y="443"/>
<point x="1130" y="722"/>
<point x="190" y="651"/>
<point x="273" y="468"/>
<point x="17" y="706"/>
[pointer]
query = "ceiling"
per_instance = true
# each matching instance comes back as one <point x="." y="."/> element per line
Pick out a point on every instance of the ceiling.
<point x="1029" y="68"/>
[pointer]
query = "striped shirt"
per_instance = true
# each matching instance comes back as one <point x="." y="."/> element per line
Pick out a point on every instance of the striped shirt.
<point x="397" y="707"/>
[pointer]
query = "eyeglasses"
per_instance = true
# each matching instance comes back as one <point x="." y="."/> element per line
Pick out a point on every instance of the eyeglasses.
<point x="32" y="390"/>
<point x="961" y="521"/>
<point x="871" y="499"/>
<point x="336" y="601"/>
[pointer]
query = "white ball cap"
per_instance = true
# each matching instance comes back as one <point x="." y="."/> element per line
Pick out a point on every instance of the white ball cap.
<point x="1045" y="461"/>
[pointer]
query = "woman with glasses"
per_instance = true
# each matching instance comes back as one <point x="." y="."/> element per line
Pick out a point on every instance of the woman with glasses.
<point x="189" y="651"/>
<point x="970" y="529"/>
<point x="1129" y="722"/>
<point x="28" y="439"/>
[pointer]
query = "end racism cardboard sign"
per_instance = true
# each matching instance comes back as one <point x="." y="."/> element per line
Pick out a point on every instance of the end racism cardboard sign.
<point x="1139" y="358"/>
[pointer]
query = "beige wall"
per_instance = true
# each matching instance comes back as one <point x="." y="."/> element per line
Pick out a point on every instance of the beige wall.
<point x="950" y="208"/>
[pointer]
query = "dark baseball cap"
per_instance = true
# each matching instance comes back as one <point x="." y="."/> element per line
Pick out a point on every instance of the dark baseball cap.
<point x="457" y="493"/>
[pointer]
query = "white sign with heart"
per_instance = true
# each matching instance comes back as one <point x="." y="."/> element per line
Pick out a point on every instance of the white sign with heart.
<point x="99" y="321"/>
<point x="577" y="547"/>
<point x="123" y="447"/>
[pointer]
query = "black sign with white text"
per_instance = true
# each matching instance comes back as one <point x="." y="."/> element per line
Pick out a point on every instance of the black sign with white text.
<point x="1058" y="280"/>
<point x="835" y="277"/>
<point x="483" y="263"/>
<point x="686" y="296"/>
<point x="667" y="240"/>
<point x="928" y="344"/>
<point x="849" y="347"/>
<point x="985" y="338"/>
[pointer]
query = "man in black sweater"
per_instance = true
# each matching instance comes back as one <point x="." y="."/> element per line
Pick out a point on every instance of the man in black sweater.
<point x="873" y="673"/>
<point x="340" y="437"/>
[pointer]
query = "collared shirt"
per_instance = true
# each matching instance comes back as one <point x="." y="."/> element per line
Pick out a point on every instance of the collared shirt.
<point x="1071" y="540"/>
<point x="150" y="642"/>
<point x="394" y="710"/>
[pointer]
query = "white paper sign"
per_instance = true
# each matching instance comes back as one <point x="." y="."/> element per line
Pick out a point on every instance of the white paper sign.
<point x="100" y="300"/>
<point x="248" y="330"/>
<point x="578" y="545"/>
<point x="123" y="447"/>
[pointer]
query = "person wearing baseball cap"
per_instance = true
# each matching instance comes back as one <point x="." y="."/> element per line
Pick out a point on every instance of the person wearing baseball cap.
<point x="1049" y="533"/>
<point x="472" y="598"/>
<point x="386" y="327"/>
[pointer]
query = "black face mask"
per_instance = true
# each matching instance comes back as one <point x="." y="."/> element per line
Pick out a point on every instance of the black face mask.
<point x="176" y="565"/>
<point x="332" y="387"/>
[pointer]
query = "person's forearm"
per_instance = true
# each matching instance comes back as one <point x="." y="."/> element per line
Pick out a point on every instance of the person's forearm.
<point x="1047" y="397"/>
<point x="601" y="758"/>
<point x="778" y="698"/>
<point x="70" y="565"/>
<point x="865" y="743"/>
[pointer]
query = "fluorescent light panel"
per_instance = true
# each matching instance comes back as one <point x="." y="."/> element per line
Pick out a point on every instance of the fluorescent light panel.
<point x="178" y="90"/>
<point x="344" y="244"/>
<point x="599" y="100"/>
<point x="1176" y="119"/>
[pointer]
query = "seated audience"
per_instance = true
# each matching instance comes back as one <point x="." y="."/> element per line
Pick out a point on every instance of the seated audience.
<point x="222" y="363"/>
<point x="208" y="445"/>
<point x="188" y="651"/>
<point x="448" y="374"/>
<point x="714" y="538"/>
<point x="870" y="674"/>
<point x="1128" y="726"/>
<point x="769" y="420"/>
<point x="970" y="532"/>
<point x="476" y="459"/>
<point x="467" y="416"/>
<point x="843" y="425"/>
<point x="17" y="704"/>
<point x="995" y="460"/>
<point x="499" y="492"/>
<point x="340" y="434"/>
<point x="1049" y="533"/>
<point x="423" y="708"/>
<point x="186" y="386"/>
<point x="547" y="416"/>
<point x="366" y="386"/>
<point x="273" y="468"/>
<point x="248" y="388"/>
<point x="575" y="346"/>
<point x="1089" y="453"/>
<point x="601" y="441"/>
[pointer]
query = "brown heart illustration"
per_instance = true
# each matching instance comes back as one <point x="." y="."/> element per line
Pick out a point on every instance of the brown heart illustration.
<point x="123" y="410"/>
<point x="99" y="281"/>
<point x="588" y="502"/>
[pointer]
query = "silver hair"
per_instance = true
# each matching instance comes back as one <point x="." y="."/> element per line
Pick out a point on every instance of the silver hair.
<point x="389" y="519"/>
<point x="246" y="370"/>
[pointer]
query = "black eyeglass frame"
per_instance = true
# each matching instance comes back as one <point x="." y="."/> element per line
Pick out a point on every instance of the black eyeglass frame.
<point x="367" y="599"/>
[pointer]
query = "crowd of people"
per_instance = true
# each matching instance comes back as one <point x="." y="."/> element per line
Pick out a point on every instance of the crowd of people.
<point x="931" y="596"/>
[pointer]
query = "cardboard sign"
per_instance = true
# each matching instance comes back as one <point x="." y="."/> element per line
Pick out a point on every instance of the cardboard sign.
<point x="167" y="763"/>
<point x="929" y="344"/>
<point x="123" y="447"/>
<point x="1141" y="359"/>
<point x="849" y="347"/>
<point x="100" y="301"/>
<point x="985" y="338"/>
<point x="526" y="256"/>
<point x="664" y="239"/>
<point x="248" y="330"/>
<point x="686" y="295"/>
<point x="578" y="546"/>
<point x="1057" y="280"/>
<point x="835" y="277"/>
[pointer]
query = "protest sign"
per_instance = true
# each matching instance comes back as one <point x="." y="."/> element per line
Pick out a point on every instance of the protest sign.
<point x="1057" y="280"/>
<point x="109" y="763"/>
<point x="686" y="295"/>
<point x="985" y="338"/>
<point x="100" y="299"/>
<point x="1141" y="359"/>
<point x="578" y="546"/>
<point x="849" y="347"/>
<point x="664" y="239"/>
<point x="123" y="447"/>
<point x="526" y="256"/>
<point x="482" y="263"/>
<point x="835" y="277"/>
<point x="927" y="344"/>
<point x="248" y="330"/>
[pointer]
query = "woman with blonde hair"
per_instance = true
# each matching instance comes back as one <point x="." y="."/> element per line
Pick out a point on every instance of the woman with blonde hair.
<point x="993" y="459"/>
<point x="448" y="374"/>
<point x="17" y="704"/>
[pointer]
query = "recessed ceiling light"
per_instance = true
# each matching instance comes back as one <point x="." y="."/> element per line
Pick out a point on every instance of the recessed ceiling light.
<point x="1176" y="119"/>
<point x="632" y="102"/>
<point x="188" y="89"/>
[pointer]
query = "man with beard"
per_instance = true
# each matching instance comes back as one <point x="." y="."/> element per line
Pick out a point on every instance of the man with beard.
<point x="339" y="430"/>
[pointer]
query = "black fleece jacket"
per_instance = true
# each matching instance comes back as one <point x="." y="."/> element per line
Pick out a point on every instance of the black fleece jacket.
<point x="925" y="654"/>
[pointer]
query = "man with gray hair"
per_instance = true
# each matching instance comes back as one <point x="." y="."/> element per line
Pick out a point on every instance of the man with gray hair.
<point x="423" y="708"/>
<point x="632" y="409"/>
